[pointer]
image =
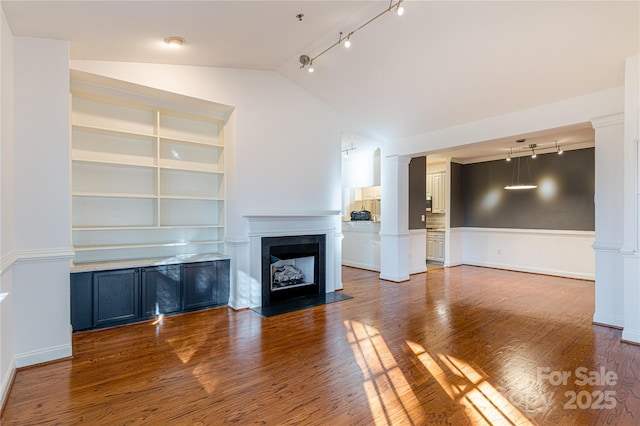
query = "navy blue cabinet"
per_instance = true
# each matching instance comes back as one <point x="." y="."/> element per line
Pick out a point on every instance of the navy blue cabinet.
<point x="161" y="290"/>
<point x="203" y="284"/>
<point x="120" y="296"/>
<point x="116" y="297"/>
<point x="82" y="300"/>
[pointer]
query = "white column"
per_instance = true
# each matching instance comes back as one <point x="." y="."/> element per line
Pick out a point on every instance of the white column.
<point x="630" y="252"/>
<point x="394" y="227"/>
<point x="609" y="205"/>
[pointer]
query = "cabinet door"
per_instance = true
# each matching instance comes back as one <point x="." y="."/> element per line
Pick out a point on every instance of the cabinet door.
<point x="430" y="184"/>
<point x="431" y="249"/>
<point x="200" y="285"/>
<point x="438" y="192"/>
<point x="81" y="300"/>
<point x="224" y="282"/>
<point x="115" y="297"/>
<point x="161" y="290"/>
<point x="439" y="248"/>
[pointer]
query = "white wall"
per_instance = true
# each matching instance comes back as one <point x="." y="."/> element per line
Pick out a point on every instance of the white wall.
<point x="562" y="253"/>
<point x="7" y="256"/>
<point x="41" y="201"/>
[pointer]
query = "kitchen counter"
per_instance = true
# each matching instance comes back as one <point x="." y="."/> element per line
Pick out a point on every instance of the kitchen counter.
<point x="361" y="244"/>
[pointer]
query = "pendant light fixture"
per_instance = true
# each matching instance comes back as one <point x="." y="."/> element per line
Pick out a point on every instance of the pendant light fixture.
<point x="515" y="177"/>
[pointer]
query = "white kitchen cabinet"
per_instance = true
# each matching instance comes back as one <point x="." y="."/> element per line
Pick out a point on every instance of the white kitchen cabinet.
<point x="436" y="188"/>
<point x="368" y="193"/>
<point x="435" y="246"/>
<point x="147" y="177"/>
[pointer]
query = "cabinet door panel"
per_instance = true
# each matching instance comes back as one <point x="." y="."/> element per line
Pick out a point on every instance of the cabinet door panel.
<point x="81" y="301"/>
<point x="161" y="290"/>
<point x="223" y="283"/>
<point x="115" y="297"/>
<point x="200" y="285"/>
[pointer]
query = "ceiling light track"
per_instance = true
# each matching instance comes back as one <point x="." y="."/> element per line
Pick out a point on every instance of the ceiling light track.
<point x="306" y="61"/>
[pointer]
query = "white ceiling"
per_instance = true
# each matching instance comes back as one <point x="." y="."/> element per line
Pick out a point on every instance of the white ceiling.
<point x="441" y="64"/>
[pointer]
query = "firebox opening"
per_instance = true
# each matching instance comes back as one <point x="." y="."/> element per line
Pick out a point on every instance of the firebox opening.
<point x="292" y="266"/>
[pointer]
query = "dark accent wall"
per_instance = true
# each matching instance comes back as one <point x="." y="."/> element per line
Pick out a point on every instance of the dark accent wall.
<point x="564" y="199"/>
<point x="456" y="209"/>
<point x="417" y="191"/>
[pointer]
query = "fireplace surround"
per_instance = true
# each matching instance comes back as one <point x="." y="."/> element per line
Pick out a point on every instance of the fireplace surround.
<point x="326" y="223"/>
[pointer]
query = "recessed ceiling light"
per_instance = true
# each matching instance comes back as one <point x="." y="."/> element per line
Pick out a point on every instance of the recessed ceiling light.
<point x="174" y="41"/>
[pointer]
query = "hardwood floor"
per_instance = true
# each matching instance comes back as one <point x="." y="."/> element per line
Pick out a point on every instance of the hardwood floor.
<point x="454" y="346"/>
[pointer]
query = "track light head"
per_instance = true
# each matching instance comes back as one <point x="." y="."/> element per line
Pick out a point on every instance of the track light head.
<point x="304" y="60"/>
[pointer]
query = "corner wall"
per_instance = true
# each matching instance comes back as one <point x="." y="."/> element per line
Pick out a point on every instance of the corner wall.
<point x="7" y="256"/>
<point x="42" y="201"/>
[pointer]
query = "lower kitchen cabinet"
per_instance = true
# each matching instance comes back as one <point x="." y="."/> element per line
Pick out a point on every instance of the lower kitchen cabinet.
<point x="435" y="246"/>
<point x="105" y="298"/>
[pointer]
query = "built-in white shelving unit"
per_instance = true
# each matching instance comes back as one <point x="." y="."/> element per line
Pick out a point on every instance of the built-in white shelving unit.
<point x="147" y="179"/>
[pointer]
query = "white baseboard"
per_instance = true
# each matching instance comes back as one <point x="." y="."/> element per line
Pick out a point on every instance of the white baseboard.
<point x="632" y="336"/>
<point x="367" y="266"/>
<point x="6" y="381"/>
<point x="522" y="268"/>
<point x="397" y="279"/>
<point x="418" y="270"/>
<point x="43" y="355"/>
<point x="609" y="321"/>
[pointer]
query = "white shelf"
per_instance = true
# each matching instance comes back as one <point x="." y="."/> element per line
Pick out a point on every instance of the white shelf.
<point x="135" y="228"/>
<point x="80" y="156"/>
<point x="132" y="246"/>
<point x="167" y="139"/>
<point x="186" y="197"/>
<point x="145" y="180"/>
<point x="113" y="132"/>
<point x="112" y="195"/>
<point x="189" y="166"/>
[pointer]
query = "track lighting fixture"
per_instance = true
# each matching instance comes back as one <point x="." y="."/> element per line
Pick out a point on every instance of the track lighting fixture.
<point x="558" y="149"/>
<point x="509" y="154"/>
<point x="533" y="150"/>
<point x="306" y="61"/>
<point x="346" y="150"/>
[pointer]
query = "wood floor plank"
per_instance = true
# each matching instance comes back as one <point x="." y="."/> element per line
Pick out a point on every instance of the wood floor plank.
<point x="454" y="346"/>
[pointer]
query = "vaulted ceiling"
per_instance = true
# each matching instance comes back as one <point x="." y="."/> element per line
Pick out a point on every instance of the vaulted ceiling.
<point x="441" y="64"/>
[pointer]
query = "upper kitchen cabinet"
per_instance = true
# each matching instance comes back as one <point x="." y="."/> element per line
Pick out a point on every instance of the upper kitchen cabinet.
<point x="147" y="173"/>
<point x="436" y="188"/>
<point x="368" y="193"/>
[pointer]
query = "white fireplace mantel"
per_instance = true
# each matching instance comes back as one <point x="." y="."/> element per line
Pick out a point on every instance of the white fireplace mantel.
<point x="280" y="224"/>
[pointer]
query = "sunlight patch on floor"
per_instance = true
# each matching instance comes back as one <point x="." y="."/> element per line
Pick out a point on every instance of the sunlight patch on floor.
<point x="391" y="399"/>
<point x="484" y="405"/>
